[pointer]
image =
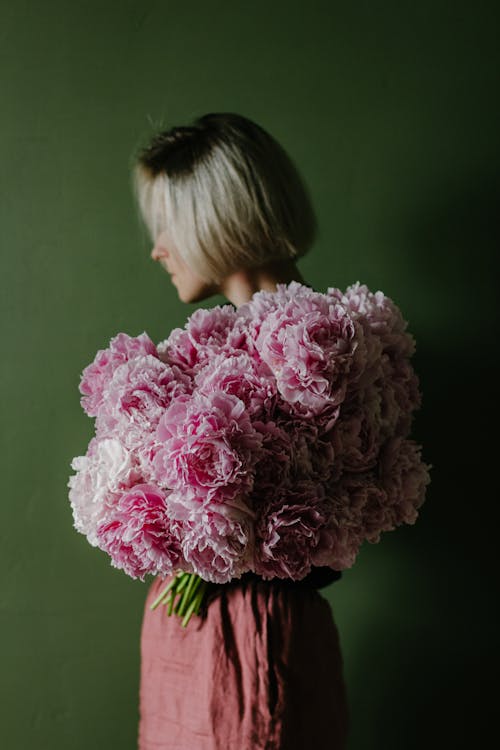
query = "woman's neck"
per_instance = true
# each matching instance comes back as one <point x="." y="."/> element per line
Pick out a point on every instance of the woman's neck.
<point x="239" y="286"/>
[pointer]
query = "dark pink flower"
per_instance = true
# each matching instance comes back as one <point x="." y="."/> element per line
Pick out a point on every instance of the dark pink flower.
<point x="401" y="395"/>
<point x="404" y="477"/>
<point x="290" y="531"/>
<point x="274" y="466"/>
<point x="357" y="512"/>
<point x="311" y="453"/>
<point x="140" y="538"/>
<point x="359" y="433"/>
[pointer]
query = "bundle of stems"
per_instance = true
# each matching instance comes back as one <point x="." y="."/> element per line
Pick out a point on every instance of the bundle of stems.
<point x="188" y="589"/>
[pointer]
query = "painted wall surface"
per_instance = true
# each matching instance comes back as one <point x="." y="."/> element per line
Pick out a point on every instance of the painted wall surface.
<point x="391" y="112"/>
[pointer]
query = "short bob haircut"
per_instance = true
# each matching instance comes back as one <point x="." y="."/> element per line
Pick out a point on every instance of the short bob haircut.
<point x="226" y="194"/>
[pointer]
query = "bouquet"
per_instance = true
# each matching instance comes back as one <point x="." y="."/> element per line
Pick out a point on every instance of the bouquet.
<point x="272" y="437"/>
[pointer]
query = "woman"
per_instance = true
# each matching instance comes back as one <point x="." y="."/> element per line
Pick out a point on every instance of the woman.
<point x="261" y="668"/>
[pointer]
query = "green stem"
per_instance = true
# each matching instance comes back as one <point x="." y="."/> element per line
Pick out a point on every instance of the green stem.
<point x="189" y="612"/>
<point x="171" y="602"/>
<point x="195" y="604"/>
<point x="183" y="580"/>
<point x="183" y="595"/>
<point x="194" y="582"/>
<point x="200" y="597"/>
<point x="164" y="593"/>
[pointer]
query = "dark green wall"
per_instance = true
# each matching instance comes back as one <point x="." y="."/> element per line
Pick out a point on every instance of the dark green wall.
<point x="391" y="112"/>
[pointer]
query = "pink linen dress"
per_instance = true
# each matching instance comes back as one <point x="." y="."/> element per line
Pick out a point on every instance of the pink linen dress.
<point x="260" y="669"/>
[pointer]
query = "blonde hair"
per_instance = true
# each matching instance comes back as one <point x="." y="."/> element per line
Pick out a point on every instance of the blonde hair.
<point x="226" y="193"/>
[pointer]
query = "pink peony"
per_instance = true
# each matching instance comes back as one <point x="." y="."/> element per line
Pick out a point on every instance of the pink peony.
<point x="404" y="477"/>
<point x="218" y="546"/>
<point x="272" y="437"/>
<point x="254" y="312"/>
<point x="146" y="454"/>
<point x="140" y="538"/>
<point x="359" y="433"/>
<point x="96" y="376"/>
<point x="136" y="397"/>
<point x="239" y="374"/>
<point x="187" y="503"/>
<point x="101" y="476"/>
<point x="274" y="465"/>
<point x="309" y="344"/>
<point x="209" y="446"/>
<point x="369" y="504"/>
<point x="379" y="314"/>
<point x="400" y="394"/>
<point x="206" y="334"/>
<point x="312" y="454"/>
<point x="290" y="531"/>
<point x="355" y="507"/>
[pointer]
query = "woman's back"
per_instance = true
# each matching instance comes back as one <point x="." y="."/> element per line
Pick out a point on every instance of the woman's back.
<point x="261" y="669"/>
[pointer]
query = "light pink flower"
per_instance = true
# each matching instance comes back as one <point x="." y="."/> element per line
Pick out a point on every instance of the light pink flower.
<point x="186" y="505"/>
<point x="218" y="546"/>
<point x="309" y="344"/>
<point x="146" y="455"/>
<point x="101" y="476"/>
<point x="209" y="445"/>
<point x="380" y="314"/>
<point x="136" y="397"/>
<point x="263" y="302"/>
<point x="206" y="334"/>
<point x="96" y="376"/>
<point x="241" y="375"/>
